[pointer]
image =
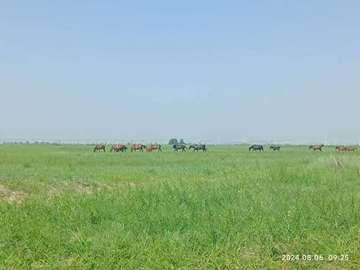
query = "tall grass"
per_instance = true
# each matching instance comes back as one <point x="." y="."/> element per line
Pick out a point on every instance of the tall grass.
<point x="225" y="209"/>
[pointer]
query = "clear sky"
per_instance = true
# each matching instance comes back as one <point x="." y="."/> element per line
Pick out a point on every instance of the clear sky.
<point x="218" y="71"/>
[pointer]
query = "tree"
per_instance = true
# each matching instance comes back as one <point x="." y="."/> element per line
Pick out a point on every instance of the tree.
<point x="173" y="141"/>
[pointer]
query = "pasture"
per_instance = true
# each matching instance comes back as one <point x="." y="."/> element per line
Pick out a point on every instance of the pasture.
<point x="65" y="207"/>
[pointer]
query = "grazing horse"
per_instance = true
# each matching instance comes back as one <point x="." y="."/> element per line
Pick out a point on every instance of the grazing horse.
<point x="316" y="147"/>
<point x="256" y="147"/>
<point x="275" y="147"/>
<point x="137" y="147"/>
<point x="178" y="147"/>
<point x="100" y="147"/>
<point x="118" y="148"/>
<point x="153" y="147"/>
<point x="197" y="147"/>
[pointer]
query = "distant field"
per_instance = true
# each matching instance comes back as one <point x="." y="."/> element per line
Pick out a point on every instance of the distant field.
<point x="65" y="207"/>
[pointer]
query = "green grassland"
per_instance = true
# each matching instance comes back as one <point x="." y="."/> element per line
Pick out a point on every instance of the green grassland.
<point x="65" y="207"/>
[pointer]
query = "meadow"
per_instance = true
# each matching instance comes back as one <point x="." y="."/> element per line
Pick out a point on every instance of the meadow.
<point x="65" y="207"/>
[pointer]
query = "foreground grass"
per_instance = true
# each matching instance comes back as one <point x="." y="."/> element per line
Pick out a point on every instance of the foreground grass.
<point x="64" y="207"/>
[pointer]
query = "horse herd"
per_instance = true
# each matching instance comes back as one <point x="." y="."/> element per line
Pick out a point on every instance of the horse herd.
<point x="202" y="147"/>
<point x="339" y="148"/>
<point x="260" y="148"/>
<point x="342" y="148"/>
<point x="138" y="147"/>
<point x="314" y="147"/>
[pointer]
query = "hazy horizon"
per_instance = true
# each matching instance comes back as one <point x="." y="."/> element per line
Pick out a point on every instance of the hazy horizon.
<point x="203" y="71"/>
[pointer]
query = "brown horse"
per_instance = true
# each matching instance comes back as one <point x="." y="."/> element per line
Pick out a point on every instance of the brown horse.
<point x="153" y="147"/>
<point x="137" y="147"/>
<point x="118" y="148"/>
<point x="100" y="147"/>
<point x="316" y="147"/>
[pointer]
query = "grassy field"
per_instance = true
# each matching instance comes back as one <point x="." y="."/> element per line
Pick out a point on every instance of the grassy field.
<point x="65" y="207"/>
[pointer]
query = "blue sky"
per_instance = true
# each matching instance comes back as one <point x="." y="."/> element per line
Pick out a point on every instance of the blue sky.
<point x="217" y="71"/>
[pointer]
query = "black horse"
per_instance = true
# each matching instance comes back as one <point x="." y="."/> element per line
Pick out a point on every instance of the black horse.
<point x="178" y="147"/>
<point x="256" y="147"/>
<point x="197" y="147"/>
<point x="275" y="147"/>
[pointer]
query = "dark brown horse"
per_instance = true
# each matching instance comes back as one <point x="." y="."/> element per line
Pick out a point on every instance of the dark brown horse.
<point x="197" y="147"/>
<point x="256" y="147"/>
<point x="137" y="147"/>
<point x="100" y="147"/>
<point x="178" y="147"/>
<point x="316" y="147"/>
<point x="153" y="147"/>
<point x="118" y="148"/>
<point x="275" y="147"/>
